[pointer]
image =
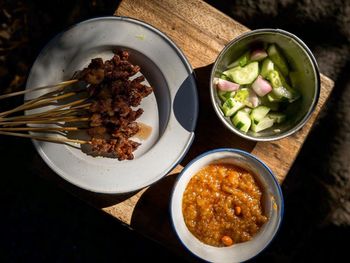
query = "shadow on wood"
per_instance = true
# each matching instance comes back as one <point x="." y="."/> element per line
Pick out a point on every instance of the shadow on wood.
<point x="151" y="215"/>
<point x="95" y="199"/>
<point x="209" y="126"/>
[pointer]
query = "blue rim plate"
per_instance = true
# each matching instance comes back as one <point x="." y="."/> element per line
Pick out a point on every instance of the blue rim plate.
<point x="171" y="110"/>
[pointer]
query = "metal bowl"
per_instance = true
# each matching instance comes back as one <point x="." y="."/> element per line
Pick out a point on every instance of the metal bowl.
<point x="272" y="203"/>
<point x="300" y="59"/>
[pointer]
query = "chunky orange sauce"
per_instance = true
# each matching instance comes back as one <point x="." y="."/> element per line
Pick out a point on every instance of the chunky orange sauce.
<point x="222" y="205"/>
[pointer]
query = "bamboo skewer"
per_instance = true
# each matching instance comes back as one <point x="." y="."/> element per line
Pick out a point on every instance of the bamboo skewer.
<point x="55" y="86"/>
<point x="45" y="121"/>
<point x="42" y="129"/>
<point x="52" y="111"/>
<point x="45" y="138"/>
<point x="73" y="105"/>
<point x="58" y="117"/>
<point x="33" y="101"/>
<point x="65" y="113"/>
<point x="19" y="108"/>
<point x="37" y="104"/>
<point x="45" y="101"/>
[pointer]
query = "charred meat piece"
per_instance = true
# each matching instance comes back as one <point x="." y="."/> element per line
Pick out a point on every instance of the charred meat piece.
<point x="94" y="73"/>
<point x="126" y="131"/>
<point x="137" y="91"/>
<point x="121" y="148"/>
<point x="97" y="132"/>
<point x="96" y="120"/>
<point x="113" y="94"/>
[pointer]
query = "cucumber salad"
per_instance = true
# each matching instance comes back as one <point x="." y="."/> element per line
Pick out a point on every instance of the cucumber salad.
<point x="255" y="89"/>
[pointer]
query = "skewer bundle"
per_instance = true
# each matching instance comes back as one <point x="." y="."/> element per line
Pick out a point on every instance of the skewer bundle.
<point x="68" y="112"/>
<point x="102" y="107"/>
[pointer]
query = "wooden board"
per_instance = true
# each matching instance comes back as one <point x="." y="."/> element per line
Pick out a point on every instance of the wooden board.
<point x="201" y="32"/>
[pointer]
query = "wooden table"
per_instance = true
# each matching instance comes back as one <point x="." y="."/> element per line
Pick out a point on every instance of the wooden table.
<point x="201" y="32"/>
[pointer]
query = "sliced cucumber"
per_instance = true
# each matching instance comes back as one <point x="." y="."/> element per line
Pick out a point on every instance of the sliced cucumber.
<point x="279" y="93"/>
<point x="233" y="64"/>
<point x="277" y="58"/>
<point x="259" y="113"/>
<point x="228" y="73"/>
<point x="231" y="106"/>
<point x="263" y="124"/>
<point x="246" y="96"/>
<point x="247" y="110"/>
<point x="281" y="90"/>
<point x="244" y="75"/>
<point x="242" y="121"/>
<point x="267" y="66"/>
<point x="285" y="83"/>
<point x="277" y="117"/>
<point x="242" y="95"/>
<point x="292" y="93"/>
<point x="225" y="95"/>
<point x="244" y="59"/>
<point x="274" y="78"/>
<point x="274" y="99"/>
<point x="241" y="61"/>
<point x="223" y="76"/>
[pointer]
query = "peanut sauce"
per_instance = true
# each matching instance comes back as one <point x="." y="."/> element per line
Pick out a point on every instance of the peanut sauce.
<point x="222" y="205"/>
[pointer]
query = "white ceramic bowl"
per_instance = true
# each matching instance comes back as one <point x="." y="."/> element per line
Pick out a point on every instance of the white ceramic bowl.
<point x="272" y="203"/>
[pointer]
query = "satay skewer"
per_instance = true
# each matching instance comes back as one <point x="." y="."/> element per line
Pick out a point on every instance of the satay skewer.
<point x="67" y="112"/>
<point x="38" y="103"/>
<point x="45" y="121"/>
<point x="73" y="107"/>
<point x="53" y="87"/>
<point x="109" y="90"/>
<point x="45" y="138"/>
<point x="42" y="129"/>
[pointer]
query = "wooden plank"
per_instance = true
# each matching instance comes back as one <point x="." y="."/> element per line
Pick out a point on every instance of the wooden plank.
<point x="201" y="32"/>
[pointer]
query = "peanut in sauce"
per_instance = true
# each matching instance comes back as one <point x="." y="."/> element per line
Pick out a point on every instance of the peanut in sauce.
<point x="222" y="205"/>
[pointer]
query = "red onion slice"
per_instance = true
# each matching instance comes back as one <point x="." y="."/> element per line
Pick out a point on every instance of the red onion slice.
<point x="225" y="85"/>
<point x="258" y="54"/>
<point x="261" y="86"/>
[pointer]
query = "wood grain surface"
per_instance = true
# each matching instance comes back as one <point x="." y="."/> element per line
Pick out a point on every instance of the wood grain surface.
<point x="201" y="32"/>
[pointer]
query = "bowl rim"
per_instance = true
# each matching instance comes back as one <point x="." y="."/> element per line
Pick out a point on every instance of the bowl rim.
<point x="240" y="152"/>
<point x="315" y="99"/>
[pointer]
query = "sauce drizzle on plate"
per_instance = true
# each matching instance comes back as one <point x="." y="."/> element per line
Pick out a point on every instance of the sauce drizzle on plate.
<point x="144" y="132"/>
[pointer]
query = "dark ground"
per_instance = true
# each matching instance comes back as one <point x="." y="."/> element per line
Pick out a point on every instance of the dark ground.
<point x="40" y="222"/>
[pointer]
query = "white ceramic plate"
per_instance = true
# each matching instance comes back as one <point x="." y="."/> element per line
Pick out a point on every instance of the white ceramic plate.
<point x="171" y="110"/>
